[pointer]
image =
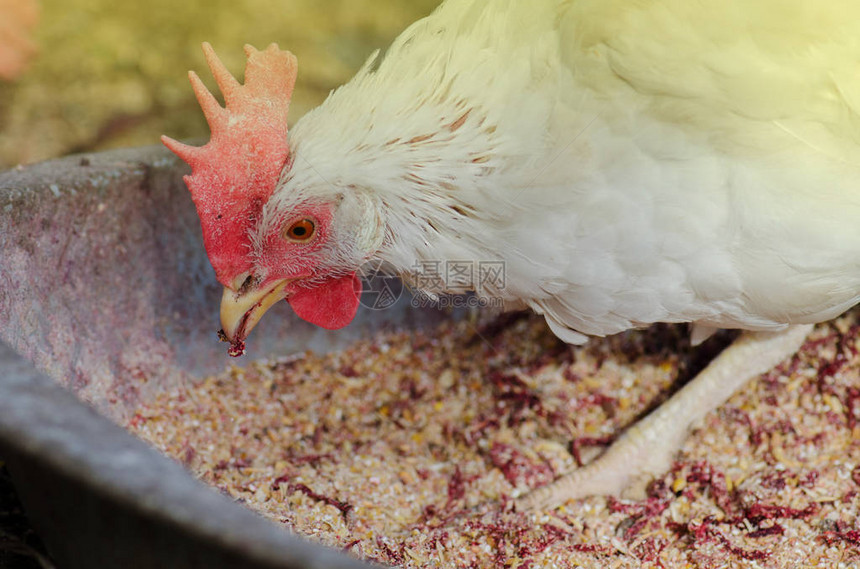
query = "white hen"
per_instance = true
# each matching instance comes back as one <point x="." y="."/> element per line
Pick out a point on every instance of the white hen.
<point x="628" y="161"/>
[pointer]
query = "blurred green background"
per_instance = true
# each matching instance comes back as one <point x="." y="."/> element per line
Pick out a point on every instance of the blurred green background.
<point x="110" y="74"/>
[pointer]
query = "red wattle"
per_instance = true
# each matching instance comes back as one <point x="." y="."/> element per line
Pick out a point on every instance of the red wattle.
<point x="330" y="305"/>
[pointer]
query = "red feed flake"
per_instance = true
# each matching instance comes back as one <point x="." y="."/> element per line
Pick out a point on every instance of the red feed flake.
<point x="342" y="506"/>
<point x="852" y="537"/>
<point x="812" y="345"/>
<point x="775" y="480"/>
<point x="648" y="550"/>
<point x="477" y="432"/>
<point x="548" y="536"/>
<point x="650" y="507"/>
<point x="706" y="531"/>
<point x="514" y="392"/>
<point x="502" y="532"/>
<point x="309" y="458"/>
<point x="188" y="454"/>
<point x="351" y="544"/>
<point x="851" y="335"/>
<point x="551" y="534"/>
<point x="236" y="349"/>
<point x="756" y="432"/>
<point x="577" y="444"/>
<point x="758" y="512"/>
<point x="397" y="557"/>
<point x="593" y="548"/>
<point x="809" y="479"/>
<point x="517" y="468"/>
<point x="749" y="554"/>
<point x="852" y="396"/>
<point x="241" y="462"/>
<point x="456" y="487"/>
<point x="704" y="475"/>
<point x="349" y="371"/>
<point x="276" y="484"/>
<point x="233" y="462"/>
<point x="831" y="368"/>
<point x="137" y="420"/>
<point x="775" y="529"/>
<point x="569" y="375"/>
<point x="617" y="506"/>
<point x="642" y="514"/>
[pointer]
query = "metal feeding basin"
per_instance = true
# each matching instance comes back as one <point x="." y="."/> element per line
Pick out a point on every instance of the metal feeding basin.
<point x="106" y="290"/>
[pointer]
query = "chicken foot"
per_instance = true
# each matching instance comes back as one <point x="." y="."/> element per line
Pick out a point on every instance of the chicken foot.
<point x="648" y="447"/>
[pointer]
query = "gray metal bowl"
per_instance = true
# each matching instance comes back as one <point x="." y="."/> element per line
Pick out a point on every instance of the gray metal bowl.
<point x="105" y="288"/>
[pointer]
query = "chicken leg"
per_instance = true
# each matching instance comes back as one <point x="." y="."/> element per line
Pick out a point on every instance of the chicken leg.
<point x="648" y="446"/>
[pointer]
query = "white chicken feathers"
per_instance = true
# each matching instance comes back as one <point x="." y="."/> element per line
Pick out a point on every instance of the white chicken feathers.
<point x="630" y="161"/>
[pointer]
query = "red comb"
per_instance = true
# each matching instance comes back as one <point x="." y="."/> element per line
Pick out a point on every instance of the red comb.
<point x="234" y="174"/>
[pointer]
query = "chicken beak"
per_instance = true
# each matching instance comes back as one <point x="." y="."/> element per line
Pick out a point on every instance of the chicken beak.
<point x="240" y="312"/>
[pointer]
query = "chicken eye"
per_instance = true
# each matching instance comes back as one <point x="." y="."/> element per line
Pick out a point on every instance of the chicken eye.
<point x="301" y="230"/>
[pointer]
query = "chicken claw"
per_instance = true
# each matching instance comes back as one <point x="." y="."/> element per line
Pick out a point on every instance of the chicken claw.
<point x="647" y="448"/>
